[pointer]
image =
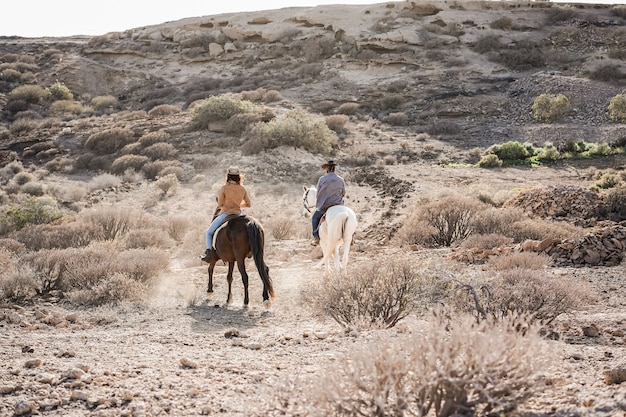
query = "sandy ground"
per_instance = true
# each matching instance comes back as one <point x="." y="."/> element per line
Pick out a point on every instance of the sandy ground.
<point x="187" y="355"/>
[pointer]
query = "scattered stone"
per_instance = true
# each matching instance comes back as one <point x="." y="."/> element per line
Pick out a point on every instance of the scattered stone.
<point x="33" y="363"/>
<point x="75" y="373"/>
<point x="615" y="375"/>
<point x="254" y="346"/>
<point x="591" y="331"/>
<point x="22" y="408"/>
<point x="188" y="363"/>
<point x="27" y="349"/>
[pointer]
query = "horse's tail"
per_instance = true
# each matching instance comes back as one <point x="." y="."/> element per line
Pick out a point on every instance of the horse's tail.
<point x="256" y="239"/>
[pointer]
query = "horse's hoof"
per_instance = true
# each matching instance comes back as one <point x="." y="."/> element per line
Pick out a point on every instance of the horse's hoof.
<point x="209" y="293"/>
<point x="267" y="304"/>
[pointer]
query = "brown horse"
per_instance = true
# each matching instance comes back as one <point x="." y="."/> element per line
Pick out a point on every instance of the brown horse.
<point x="239" y="238"/>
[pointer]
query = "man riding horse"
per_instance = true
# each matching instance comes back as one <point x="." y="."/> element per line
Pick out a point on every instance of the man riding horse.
<point x="331" y="189"/>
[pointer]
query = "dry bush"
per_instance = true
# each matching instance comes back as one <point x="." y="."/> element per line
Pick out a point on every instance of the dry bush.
<point x="116" y="288"/>
<point x="152" y="138"/>
<point x="153" y="170"/>
<point x="283" y="228"/>
<point x="614" y="204"/>
<point x="239" y="123"/>
<point x="147" y="238"/>
<point x="161" y="150"/>
<point x="550" y="107"/>
<point x="219" y="108"/>
<point x="31" y="94"/>
<point x="178" y="225"/>
<point x="83" y="274"/>
<point x="60" y="164"/>
<point x="442" y="127"/>
<point x="453" y="368"/>
<point x="21" y="126"/>
<point x="348" y="108"/>
<point x="488" y="241"/>
<point x="65" y="235"/>
<point x="377" y="295"/>
<point x="68" y="107"/>
<point x="262" y="95"/>
<point x="337" y="122"/>
<point x="103" y="181"/>
<point x="296" y="128"/>
<point x="113" y="221"/>
<point x="441" y="222"/>
<point x="496" y="220"/>
<point x="538" y="293"/>
<point x="168" y="183"/>
<point x="164" y="110"/>
<point x="59" y="91"/>
<point x="23" y="177"/>
<point x="540" y="229"/>
<point x="519" y="260"/>
<point x="109" y="141"/>
<point x="126" y="162"/>
<point x="17" y="283"/>
<point x="396" y="119"/>
<point x="104" y="103"/>
<point x="33" y="188"/>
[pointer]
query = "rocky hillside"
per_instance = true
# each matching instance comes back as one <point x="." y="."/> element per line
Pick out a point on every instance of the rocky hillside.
<point x="466" y="73"/>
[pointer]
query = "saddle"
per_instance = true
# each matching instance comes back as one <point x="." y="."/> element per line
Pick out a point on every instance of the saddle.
<point x="325" y="208"/>
<point x="224" y="224"/>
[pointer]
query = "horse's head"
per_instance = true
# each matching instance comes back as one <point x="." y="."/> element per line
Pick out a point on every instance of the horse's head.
<point x="309" y="198"/>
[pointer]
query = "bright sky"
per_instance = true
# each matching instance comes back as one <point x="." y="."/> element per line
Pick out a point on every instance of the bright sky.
<point x="38" y="18"/>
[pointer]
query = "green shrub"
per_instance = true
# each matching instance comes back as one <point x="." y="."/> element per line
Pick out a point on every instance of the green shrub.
<point x="549" y="153"/>
<point x="510" y="151"/>
<point x="295" y="128"/>
<point x="598" y="149"/>
<point x="31" y="94"/>
<point x="490" y="161"/>
<point x="109" y="141"/>
<point x="59" y="91"/>
<point x="219" y="108"/>
<point x="549" y="107"/>
<point x="31" y="210"/>
<point x="607" y="180"/>
<point x="617" y="108"/>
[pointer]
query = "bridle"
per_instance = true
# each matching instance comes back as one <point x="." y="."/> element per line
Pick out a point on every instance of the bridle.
<point x="305" y="197"/>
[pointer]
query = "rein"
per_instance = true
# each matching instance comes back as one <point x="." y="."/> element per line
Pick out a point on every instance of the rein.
<point x="304" y="199"/>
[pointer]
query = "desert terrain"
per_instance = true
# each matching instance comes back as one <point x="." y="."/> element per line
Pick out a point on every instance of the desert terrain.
<point x="427" y="102"/>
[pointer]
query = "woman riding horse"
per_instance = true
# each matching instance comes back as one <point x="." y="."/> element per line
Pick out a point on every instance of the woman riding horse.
<point x="231" y="199"/>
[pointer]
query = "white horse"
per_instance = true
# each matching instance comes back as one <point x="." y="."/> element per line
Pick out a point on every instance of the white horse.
<point x="336" y="228"/>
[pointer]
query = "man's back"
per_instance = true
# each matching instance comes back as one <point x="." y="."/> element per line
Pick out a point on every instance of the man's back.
<point x="330" y="190"/>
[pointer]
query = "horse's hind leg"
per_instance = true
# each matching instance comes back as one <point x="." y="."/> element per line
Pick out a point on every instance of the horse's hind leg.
<point x="229" y="278"/>
<point x="241" y="264"/>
